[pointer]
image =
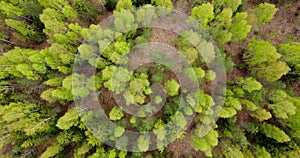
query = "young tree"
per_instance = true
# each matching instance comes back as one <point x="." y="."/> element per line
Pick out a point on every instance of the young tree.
<point x="27" y="31"/>
<point x="124" y="5"/>
<point x="221" y="4"/>
<point x="274" y="132"/>
<point x="204" y="13"/>
<point x="116" y="114"/>
<point x="291" y="54"/>
<point x="240" y="27"/>
<point x="172" y="87"/>
<point x="263" y="58"/>
<point x="264" y="13"/>
<point x="69" y="119"/>
<point x="163" y="3"/>
<point x="249" y="84"/>
<point x="204" y="143"/>
<point x="143" y="143"/>
<point x="85" y="10"/>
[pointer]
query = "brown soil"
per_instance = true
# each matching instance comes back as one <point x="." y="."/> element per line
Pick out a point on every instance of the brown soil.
<point x="181" y="148"/>
<point x="163" y="36"/>
<point x="284" y="27"/>
<point x="234" y="51"/>
<point x="295" y="87"/>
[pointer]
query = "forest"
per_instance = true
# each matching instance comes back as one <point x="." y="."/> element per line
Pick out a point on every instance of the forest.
<point x="150" y="78"/>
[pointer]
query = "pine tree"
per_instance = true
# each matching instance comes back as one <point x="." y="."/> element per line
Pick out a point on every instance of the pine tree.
<point x="124" y="5"/>
<point x="264" y="13"/>
<point x="274" y="132"/>
<point x="263" y="58"/>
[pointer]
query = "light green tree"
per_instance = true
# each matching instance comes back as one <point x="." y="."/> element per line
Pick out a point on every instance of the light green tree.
<point x="263" y="58"/>
<point x="163" y="3"/>
<point x="264" y="13"/>
<point x="124" y="5"/>
<point x="291" y="54"/>
<point x="172" y="87"/>
<point x="274" y="132"/>
<point x="204" y="13"/>
<point x="205" y="143"/>
<point x="116" y="114"/>
<point x="69" y="119"/>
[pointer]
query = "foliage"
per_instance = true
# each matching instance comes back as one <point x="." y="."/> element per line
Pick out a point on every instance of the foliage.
<point x="264" y="13"/>
<point x="172" y="87"/>
<point x="124" y="5"/>
<point x="291" y="54"/>
<point x="163" y="3"/>
<point x="274" y="132"/>
<point x="218" y="18"/>
<point x="116" y="114"/>
<point x="263" y="58"/>
<point x="39" y="85"/>
<point x="85" y="10"/>
<point x="204" y="143"/>
<point x="68" y="120"/>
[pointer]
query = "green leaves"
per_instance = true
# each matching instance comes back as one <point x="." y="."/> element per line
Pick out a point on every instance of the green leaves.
<point x="124" y="5"/>
<point x="274" y="132"/>
<point x="291" y="54"/>
<point x="119" y="131"/>
<point x="249" y="84"/>
<point x="139" y="87"/>
<point x="163" y="3"/>
<point x="143" y="143"/>
<point x="204" y="13"/>
<point x="204" y="143"/>
<point x="172" y="87"/>
<point x="264" y="13"/>
<point x="68" y="120"/>
<point x="116" y="114"/>
<point x="262" y="58"/>
<point x="217" y="17"/>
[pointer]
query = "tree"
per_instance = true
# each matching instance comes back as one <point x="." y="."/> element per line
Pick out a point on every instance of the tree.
<point x="240" y="27"/>
<point x="54" y="4"/>
<point x="210" y="75"/>
<point x="27" y="31"/>
<point x="10" y="10"/>
<point x="264" y="13"/>
<point x="249" y="84"/>
<point x="221" y="25"/>
<point x="163" y="3"/>
<point x="204" y="143"/>
<point x="221" y="4"/>
<point x="261" y="114"/>
<point x="85" y="10"/>
<point x="124" y="5"/>
<point x="290" y="54"/>
<point x="263" y="58"/>
<point x="204" y="13"/>
<point x="217" y="17"/>
<point x="68" y="120"/>
<point x="172" y="87"/>
<point x="69" y="13"/>
<point x="52" y="150"/>
<point x="143" y="143"/>
<point x="53" y="22"/>
<point x="116" y="114"/>
<point x="281" y="104"/>
<point x="145" y="15"/>
<point x="274" y="132"/>
<point x="139" y="87"/>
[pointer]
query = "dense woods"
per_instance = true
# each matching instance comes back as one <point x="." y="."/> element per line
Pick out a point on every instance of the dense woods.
<point x="69" y="87"/>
